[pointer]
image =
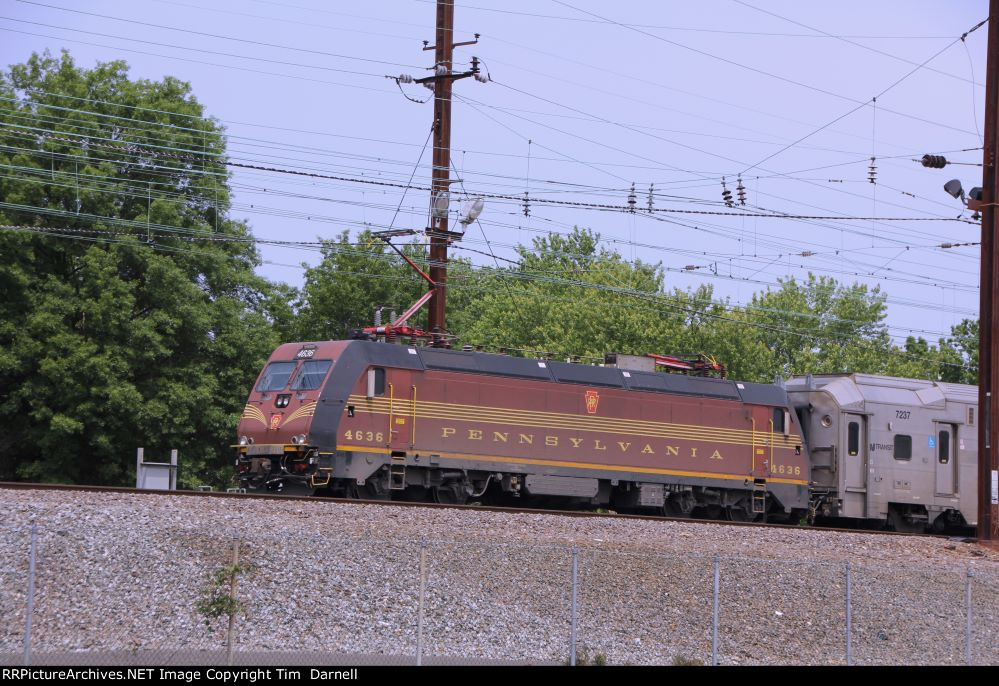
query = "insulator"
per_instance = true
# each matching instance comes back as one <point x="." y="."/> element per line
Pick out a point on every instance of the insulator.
<point x="872" y="172"/>
<point x="404" y="78"/>
<point x="632" y="199"/>
<point x="482" y="78"/>
<point x="527" y="205"/>
<point x="650" y="197"/>
<point x="807" y="253"/>
<point x="741" y="191"/>
<point x="378" y="317"/>
<point x="934" y="161"/>
<point x="726" y="194"/>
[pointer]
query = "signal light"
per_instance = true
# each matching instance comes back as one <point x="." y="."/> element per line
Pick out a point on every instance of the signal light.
<point x="934" y="161"/>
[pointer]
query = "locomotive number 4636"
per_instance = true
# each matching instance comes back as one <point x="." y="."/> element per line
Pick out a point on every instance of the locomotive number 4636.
<point x="376" y="436"/>
<point x="789" y="469"/>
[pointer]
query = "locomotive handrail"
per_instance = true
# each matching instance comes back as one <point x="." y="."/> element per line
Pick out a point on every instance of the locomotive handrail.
<point x="391" y="402"/>
<point x="771" y="446"/>
<point x="412" y="442"/>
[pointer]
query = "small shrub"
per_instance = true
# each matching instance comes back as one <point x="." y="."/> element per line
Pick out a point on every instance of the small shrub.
<point x="583" y="659"/>
<point x="215" y="601"/>
<point x="681" y="661"/>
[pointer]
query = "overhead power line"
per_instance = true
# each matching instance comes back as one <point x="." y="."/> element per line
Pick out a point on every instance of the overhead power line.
<point x="195" y="155"/>
<point x="661" y="299"/>
<point x="146" y="41"/>
<point x="220" y="36"/>
<point x="761" y="71"/>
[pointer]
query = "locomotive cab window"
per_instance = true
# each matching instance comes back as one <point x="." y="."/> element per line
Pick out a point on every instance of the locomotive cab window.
<point x="376" y="382"/>
<point x="778" y="420"/>
<point x="276" y="376"/>
<point x="311" y="375"/>
<point x="853" y="438"/>
<point x="903" y="447"/>
<point x="944" y="451"/>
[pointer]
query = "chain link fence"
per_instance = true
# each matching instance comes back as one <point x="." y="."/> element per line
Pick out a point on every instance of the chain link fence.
<point x="200" y="596"/>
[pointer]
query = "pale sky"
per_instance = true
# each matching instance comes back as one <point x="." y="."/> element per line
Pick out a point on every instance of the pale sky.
<point x="586" y="99"/>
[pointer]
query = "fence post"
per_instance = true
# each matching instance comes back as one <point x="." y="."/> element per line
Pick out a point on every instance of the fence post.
<point x="420" y="603"/>
<point x="714" y="616"/>
<point x="30" y="608"/>
<point x="138" y="468"/>
<point x="849" y="617"/>
<point x="231" y="633"/>
<point x="572" y="609"/>
<point x="173" y="471"/>
<point x="967" y="628"/>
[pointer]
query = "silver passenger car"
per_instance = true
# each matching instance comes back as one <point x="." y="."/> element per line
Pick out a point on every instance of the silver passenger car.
<point x="900" y="451"/>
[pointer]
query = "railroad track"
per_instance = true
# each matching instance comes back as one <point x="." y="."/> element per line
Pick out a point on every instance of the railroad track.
<point x="475" y="508"/>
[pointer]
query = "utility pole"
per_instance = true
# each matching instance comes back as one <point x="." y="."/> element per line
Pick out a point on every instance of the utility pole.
<point x="440" y="190"/>
<point x="988" y="352"/>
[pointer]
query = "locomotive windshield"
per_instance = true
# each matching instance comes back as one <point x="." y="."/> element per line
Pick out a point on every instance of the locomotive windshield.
<point x="311" y="375"/>
<point x="276" y="376"/>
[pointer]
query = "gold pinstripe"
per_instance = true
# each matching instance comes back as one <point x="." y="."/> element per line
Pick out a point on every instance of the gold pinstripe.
<point x="254" y="412"/>
<point x="306" y="410"/>
<point x="580" y="465"/>
<point x="559" y="420"/>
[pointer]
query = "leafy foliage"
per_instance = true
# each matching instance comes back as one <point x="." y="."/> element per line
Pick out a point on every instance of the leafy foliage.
<point x="144" y="337"/>
<point x="217" y="600"/>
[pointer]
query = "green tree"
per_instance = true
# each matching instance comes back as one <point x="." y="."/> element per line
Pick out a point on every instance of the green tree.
<point x="358" y="275"/>
<point x="567" y="296"/>
<point x="961" y="349"/>
<point x="132" y="315"/>
<point x="821" y="326"/>
<point x="355" y="277"/>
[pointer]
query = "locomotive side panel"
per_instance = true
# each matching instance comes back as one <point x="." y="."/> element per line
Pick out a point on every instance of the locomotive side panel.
<point x="463" y="421"/>
<point x="396" y="419"/>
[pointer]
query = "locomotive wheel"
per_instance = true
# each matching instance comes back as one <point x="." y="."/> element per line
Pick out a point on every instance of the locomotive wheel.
<point x="672" y="509"/>
<point x="896" y="522"/>
<point x="367" y="492"/>
<point x="450" y="494"/>
<point x="738" y="514"/>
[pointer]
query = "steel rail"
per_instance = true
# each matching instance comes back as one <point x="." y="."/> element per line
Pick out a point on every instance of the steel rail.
<point x="13" y="485"/>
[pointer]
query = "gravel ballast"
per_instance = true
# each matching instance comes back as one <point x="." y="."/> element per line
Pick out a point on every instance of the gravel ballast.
<point x="121" y="574"/>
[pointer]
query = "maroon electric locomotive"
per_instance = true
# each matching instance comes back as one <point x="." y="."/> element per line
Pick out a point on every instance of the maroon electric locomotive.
<point x="382" y="420"/>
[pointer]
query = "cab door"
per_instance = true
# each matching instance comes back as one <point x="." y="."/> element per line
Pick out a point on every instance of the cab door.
<point x="401" y="394"/>
<point x="762" y="440"/>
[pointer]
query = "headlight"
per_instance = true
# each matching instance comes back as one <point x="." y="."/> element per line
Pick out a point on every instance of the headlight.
<point x="301" y="439"/>
<point x="243" y="440"/>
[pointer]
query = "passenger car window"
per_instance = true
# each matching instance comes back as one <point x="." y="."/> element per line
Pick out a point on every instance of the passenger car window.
<point x="903" y="447"/>
<point x="944" y="454"/>
<point x="276" y="376"/>
<point x="853" y="438"/>
<point x="311" y="375"/>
